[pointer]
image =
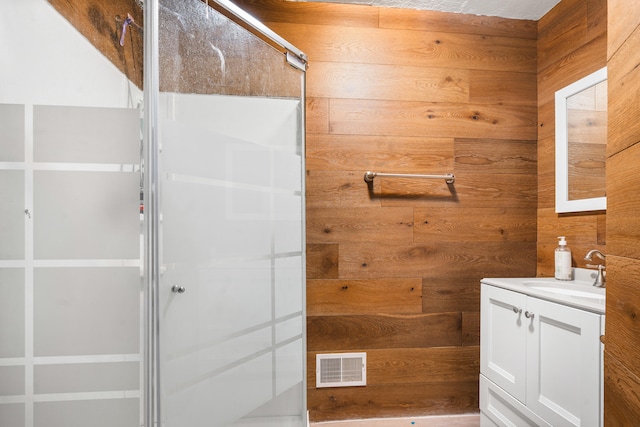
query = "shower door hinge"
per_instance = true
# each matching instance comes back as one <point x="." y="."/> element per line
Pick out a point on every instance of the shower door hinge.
<point x="296" y="61"/>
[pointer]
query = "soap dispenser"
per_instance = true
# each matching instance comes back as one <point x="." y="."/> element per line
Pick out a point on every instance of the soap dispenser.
<point x="563" y="260"/>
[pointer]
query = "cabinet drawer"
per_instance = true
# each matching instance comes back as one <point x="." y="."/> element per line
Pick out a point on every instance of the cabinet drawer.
<point x="504" y="410"/>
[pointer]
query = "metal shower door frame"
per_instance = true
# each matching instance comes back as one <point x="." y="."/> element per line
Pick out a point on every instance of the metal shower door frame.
<point x="151" y="404"/>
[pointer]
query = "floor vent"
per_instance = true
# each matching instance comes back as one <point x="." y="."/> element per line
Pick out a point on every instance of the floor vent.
<point x="341" y="370"/>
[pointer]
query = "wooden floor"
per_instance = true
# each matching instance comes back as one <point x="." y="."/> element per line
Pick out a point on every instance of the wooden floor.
<point x="444" y="421"/>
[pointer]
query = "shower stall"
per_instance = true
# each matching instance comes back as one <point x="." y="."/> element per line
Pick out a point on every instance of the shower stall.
<point x="152" y="267"/>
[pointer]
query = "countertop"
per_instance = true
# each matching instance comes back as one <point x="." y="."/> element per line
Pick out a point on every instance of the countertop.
<point x="579" y="293"/>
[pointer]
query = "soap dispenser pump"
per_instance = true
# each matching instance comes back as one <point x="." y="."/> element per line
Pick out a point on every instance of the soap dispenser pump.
<point x="563" y="260"/>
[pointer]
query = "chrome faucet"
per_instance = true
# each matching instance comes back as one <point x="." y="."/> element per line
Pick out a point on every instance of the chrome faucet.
<point x="600" y="278"/>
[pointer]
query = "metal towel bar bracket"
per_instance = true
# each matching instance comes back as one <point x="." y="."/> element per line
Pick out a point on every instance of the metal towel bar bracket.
<point x="449" y="177"/>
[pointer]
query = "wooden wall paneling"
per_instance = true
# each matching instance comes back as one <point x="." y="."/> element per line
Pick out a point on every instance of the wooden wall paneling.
<point x="456" y="224"/>
<point x="340" y="189"/>
<point x="422" y="365"/>
<point x="596" y="18"/>
<point x="561" y="31"/>
<point x="419" y="154"/>
<point x="547" y="189"/>
<point x="428" y="20"/>
<point x="326" y="43"/>
<point x="458" y="295"/>
<point x="571" y="44"/>
<point x="545" y="260"/>
<point x="471" y="328"/>
<point x="623" y="311"/>
<point x="413" y="365"/>
<point x="583" y="232"/>
<point x="322" y="261"/>
<point x="547" y="173"/>
<point x="495" y="156"/>
<point x="469" y="190"/>
<point x="624" y="88"/>
<point x="621" y="393"/>
<point x="344" y="333"/>
<point x="376" y="296"/>
<point x="436" y="260"/>
<point x="602" y="228"/>
<point x="622" y="369"/>
<point x="623" y="18"/>
<point x="409" y="118"/>
<point x="388" y="82"/>
<point x="101" y="23"/>
<point x="547" y="122"/>
<point x="581" y="62"/>
<point x="309" y="13"/>
<point x="393" y="400"/>
<point x="317" y="115"/>
<point x="333" y="225"/>
<point x="489" y="87"/>
<point x="578" y="228"/>
<point x="623" y="225"/>
<point x="416" y="192"/>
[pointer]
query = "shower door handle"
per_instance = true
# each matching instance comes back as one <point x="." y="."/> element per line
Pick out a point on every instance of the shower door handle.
<point x="177" y="289"/>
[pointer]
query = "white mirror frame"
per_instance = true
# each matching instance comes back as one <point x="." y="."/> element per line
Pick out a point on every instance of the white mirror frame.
<point x="563" y="204"/>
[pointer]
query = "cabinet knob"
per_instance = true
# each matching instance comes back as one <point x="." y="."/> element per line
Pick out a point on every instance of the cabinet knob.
<point x="177" y="289"/>
<point x="602" y="339"/>
<point x="528" y="315"/>
<point x="517" y="310"/>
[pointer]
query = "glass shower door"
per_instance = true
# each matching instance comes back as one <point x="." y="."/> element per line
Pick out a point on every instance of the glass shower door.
<point x="231" y="292"/>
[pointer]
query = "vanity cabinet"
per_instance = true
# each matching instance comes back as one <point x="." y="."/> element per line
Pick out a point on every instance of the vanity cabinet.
<point x="540" y="361"/>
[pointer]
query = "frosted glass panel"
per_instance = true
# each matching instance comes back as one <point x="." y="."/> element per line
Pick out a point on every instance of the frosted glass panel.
<point x="288" y="276"/>
<point x="95" y="217"/>
<point x="86" y="377"/>
<point x="289" y="366"/>
<point x="86" y="135"/>
<point x="289" y="329"/>
<point x="193" y="215"/>
<point x="288" y="236"/>
<point x="83" y="413"/>
<point x="11" y="380"/>
<point x="12" y="214"/>
<point x="12" y="135"/>
<point x="12" y="415"/>
<point x="79" y="311"/>
<point x="210" y="400"/>
<point x="232" y="211"/>
<point x="232" y="236"/>
<point x="12" y="312"/>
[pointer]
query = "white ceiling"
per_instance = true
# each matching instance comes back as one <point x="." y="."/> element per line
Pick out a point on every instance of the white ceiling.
<point x="515" y="9"/>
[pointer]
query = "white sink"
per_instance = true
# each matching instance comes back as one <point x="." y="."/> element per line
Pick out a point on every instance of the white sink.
<point x="568" y="289"/>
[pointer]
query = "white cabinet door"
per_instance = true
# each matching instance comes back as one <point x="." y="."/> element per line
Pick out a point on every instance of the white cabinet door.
<point x="503" y="339"/>
<point x="563" y="369"/>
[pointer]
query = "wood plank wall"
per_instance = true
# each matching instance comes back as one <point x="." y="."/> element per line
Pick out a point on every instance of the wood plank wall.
<point x="394" y="268"/>
<point x="572" y="43"/>
<point x="622" y="365"/>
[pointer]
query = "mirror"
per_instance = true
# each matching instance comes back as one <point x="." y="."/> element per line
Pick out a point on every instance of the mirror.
<point x="581" y="144"/>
